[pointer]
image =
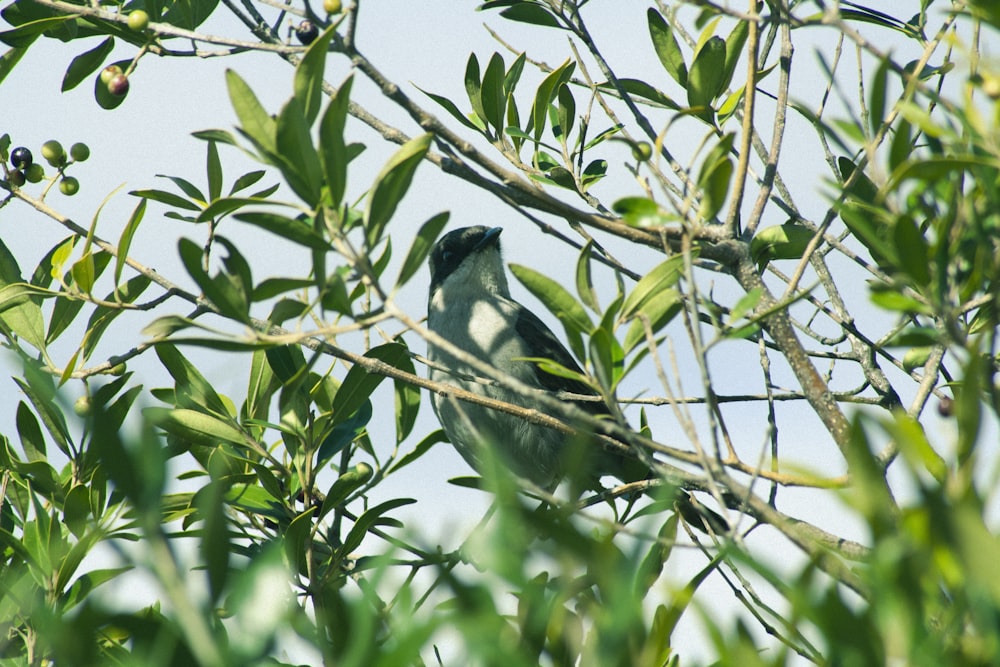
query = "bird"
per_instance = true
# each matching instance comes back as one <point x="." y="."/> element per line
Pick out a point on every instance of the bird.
<point x="470" y="306"/>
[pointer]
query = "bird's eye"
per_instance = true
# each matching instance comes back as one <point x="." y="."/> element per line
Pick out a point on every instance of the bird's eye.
<point x="446" y="256"/>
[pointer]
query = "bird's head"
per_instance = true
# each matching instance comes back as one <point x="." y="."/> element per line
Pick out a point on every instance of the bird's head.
<point x="469" y="259"/>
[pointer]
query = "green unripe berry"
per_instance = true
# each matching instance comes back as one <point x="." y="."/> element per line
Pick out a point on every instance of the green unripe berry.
<point x="34" y="173"/>
<point x="79" y="152"/>
<point x="54" y="153"/>
<point x="332" y="6"/>
<point x="16" y="178"/>
<point x="118" y="369"/>
<point x="642" y="151"/>
<point x="138" y="20"/>
<point x="82" y="406"/>
<point x="69" y="186"/>
<point x="110" y="72"/>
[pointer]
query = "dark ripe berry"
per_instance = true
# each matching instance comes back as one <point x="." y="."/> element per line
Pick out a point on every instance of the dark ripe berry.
<point x="110" y="72"/>
<point x="69" y="186"/>
<point x="54" y="153"/>
<point x="307" y="32"/>
<point x="946" y="407"/>
<point x="118" y="85"/>
<point x="16" y="178"/>
<point x="21" y="158"/>
<point x="34" y="173"/>
<point x="79" y="151"/>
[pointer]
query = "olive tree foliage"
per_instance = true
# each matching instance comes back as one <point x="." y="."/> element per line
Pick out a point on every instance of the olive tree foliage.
<point x="863" y="311"/>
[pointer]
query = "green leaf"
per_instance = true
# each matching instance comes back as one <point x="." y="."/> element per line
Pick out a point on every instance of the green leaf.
<point x="348" y="482"/>
<point x="333" y="154"/>
<point x="533" y="14"/>
<point x="714" y="181"/>
<point x="734" y="49"/>
<point x="168" y="198"/>
<point x="246" y="180"/>
<point x="214" y="172"/>
<point x="494" y="100"/>
<point x="368" y="520"/>
<point x="225" y="290"/>
<point x="877" y="98"/>
<point x="103" y="315"/>
<point x="421" y="247"/>
<point x="566" y="112"/>
<point x="662" y="277"/>
<point x="125" y="240"/>
<point x="659" y="309"/>
<point x="474" y="86"/>
<point x="641" y="212"/>
<point x="607" y="357"/>
<point x="292" y="229"/>
<point x="296" y="537"/>
<point x="452" y="109"/>
<point x="359" y="384"/>
<point x="86" y="64"/>
<point x="787" y="241"/>
<point x="40" y="389"/>
<point x="254" y="120"/>
<point x="25" y="34"/>
<point x="666" y="47"/>
<point x="391" y="185"/>
<point x="546" y="92"/>
<point x="191" y="389"/>
<point x="22" y="317"/>
<point x="912" y="250"/>
<point x="407" y="400"/>
<point x="9" y="59"/>
<point x="297" y="156"/>
<point x="30" y="433"/>
<point x="638" y="88"/>
<point x="706" y="77"/>
<point x="308" y="83"/>
<point x="195" y="426"/>
<point x="557" y="299"/>
<point x="83" y="272"/>
<point x="584" y="280"/>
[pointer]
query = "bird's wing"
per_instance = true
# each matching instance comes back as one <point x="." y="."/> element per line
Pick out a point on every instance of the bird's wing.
<point x="543" y="343"/>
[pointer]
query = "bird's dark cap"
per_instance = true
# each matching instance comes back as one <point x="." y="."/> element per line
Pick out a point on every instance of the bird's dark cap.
<point x="449" y="253"/>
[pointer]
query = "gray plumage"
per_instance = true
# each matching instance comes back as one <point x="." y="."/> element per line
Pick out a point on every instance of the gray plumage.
<point x="470" y="306"/>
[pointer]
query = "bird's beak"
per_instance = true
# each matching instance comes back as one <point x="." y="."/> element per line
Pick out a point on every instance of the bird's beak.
<point x="491" y="237"/>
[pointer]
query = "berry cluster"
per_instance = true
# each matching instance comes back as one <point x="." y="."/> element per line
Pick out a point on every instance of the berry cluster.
<point x="27" y="170"/>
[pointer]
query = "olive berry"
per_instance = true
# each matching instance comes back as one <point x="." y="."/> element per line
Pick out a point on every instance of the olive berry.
<point x="307" y="32"/>
<point x="332" y="6"/>
<point x="118" y="85"/>
<point x="34" y="173"/>
<point x="82" y="407"/>
<point x="21" y="158"/>
<point x="69" y="186"/>
<point x="110" y="72"/>
<point x="642" y="151"/>
<point x="138" y="20"/>
<point x="54" y="153"/>
<point x="16" y="178"/>
<point x="79" y="151"/>
<point x="118" y="369"/>
<point x="946" y="407"/>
